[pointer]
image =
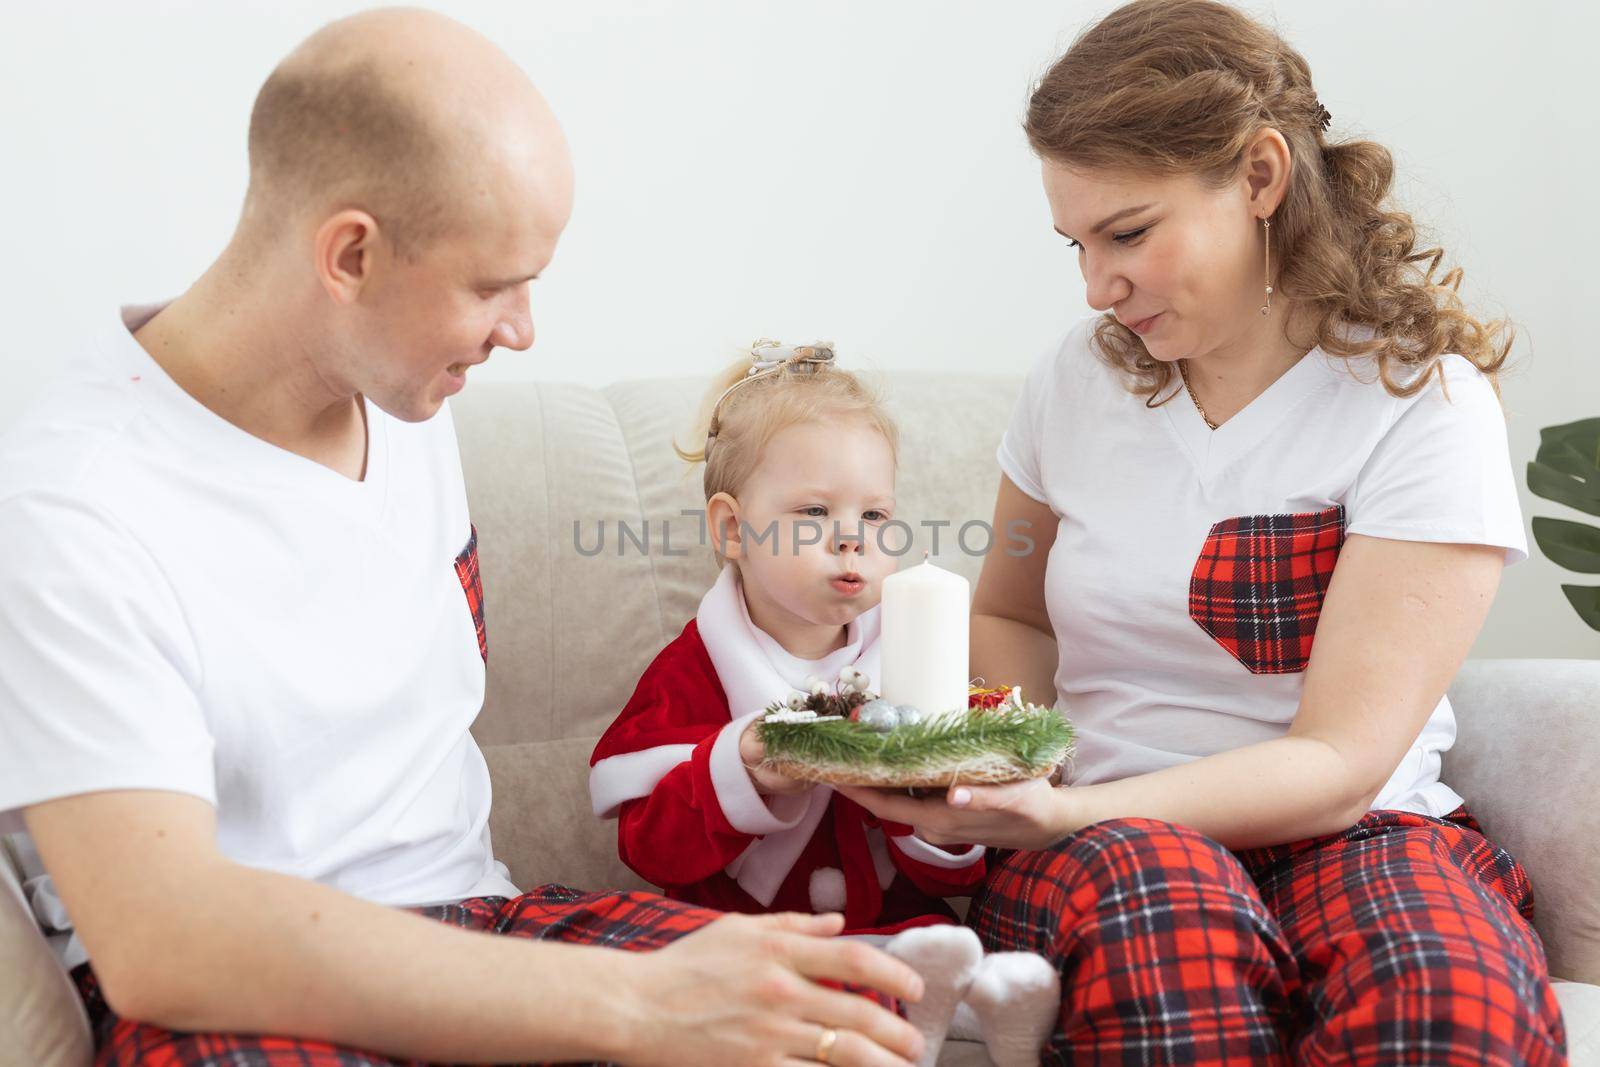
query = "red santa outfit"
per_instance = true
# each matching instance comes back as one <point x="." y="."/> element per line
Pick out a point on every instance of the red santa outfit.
<point x="691" y="821"/>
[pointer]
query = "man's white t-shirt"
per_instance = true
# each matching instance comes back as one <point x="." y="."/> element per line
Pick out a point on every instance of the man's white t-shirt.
<point x="1189" y="563"/>
<point x="186" y="607"/>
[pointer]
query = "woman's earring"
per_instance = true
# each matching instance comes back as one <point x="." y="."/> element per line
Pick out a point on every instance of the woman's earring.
<point x="1266" y="262"/>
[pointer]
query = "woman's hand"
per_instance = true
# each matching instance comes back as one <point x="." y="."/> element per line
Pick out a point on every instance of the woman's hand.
<point x="768" y="782"/>
<point x="744" y="991"/>
<point x="1027" y="815"/>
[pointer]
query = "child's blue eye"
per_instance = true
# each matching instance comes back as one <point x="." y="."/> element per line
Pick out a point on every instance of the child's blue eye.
<point x="816" y="511"/>
<point x="874" y="515"/>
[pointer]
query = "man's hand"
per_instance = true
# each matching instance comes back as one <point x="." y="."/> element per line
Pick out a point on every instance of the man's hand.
<point x="1026" y="815"/>
<point x="743" y="992"/>
<point x="768" y="782"/>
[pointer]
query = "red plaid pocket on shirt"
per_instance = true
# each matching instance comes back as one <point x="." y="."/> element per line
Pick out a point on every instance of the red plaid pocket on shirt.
<point x="1258" y="585"/>
<point x="472" y="583"/>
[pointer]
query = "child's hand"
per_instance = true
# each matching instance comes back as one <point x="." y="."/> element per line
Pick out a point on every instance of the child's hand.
<point x="768" y="782"/>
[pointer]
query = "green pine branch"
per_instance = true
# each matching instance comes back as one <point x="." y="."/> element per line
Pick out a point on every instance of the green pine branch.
<point x="1033" y="738"/>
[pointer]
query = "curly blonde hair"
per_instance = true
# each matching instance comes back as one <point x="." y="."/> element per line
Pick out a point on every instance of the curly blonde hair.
<point x="753" y="413"/>
<point x="1166" y="87"/>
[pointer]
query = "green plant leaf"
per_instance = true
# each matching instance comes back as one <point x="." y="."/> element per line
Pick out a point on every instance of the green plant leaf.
<point x="1565" y="457"/>
<point x="1573" y="545"/>
<point x="1585" y="599"/>
<point x="1583" y="436"/>
<point x="1564" y="488"/>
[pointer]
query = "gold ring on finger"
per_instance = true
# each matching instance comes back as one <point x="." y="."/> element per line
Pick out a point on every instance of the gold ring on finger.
<point x="825" y="1043"/>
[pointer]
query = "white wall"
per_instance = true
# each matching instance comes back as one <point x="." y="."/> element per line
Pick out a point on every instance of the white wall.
<point x="852" y="171"/>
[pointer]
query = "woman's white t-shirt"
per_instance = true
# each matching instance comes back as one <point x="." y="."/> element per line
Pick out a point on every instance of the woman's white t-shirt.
<point x="1189" y="563"/>
<point x="185" y="607"/>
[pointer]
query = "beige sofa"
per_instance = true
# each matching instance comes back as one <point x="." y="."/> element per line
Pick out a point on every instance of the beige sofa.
<point x="571" y="629"/>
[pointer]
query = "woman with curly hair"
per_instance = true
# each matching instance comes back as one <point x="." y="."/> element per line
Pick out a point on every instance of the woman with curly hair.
<point x="1272" y="498"/>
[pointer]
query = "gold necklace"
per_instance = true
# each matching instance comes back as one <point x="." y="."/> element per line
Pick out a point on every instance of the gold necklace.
<point x="1183" y="371"/>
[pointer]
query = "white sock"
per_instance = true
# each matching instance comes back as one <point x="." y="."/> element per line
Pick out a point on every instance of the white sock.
<point x="1016" y="998"/>
<point x="964" y="1023"/>
<point x="947" y="958"/>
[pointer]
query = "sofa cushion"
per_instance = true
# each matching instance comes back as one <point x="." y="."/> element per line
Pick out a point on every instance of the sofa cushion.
<point x="1525" y="756"/>
<point x="42" y="1021"/>
<point x="541" y="823"/>
<point x="1580" y="1009"/>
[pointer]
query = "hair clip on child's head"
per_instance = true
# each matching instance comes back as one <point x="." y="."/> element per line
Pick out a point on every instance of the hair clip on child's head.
<point x="769" y="357"/>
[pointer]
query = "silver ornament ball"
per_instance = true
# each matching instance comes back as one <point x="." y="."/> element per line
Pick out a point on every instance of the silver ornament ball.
<point x="878" y="715"/>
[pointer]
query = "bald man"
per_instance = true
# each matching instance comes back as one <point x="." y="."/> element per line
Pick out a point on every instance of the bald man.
<point x="238" y="647"/>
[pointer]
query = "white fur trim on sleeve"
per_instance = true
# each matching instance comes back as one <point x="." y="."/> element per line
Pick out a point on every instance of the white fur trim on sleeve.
<point x="934" y="856"/>
<point x="747" y="810"/>
<point x="631" y="775"/>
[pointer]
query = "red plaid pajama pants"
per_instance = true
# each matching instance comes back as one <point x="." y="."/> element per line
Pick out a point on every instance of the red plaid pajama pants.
<point x="635" y="921"/>
<point x="1403" y="940"/>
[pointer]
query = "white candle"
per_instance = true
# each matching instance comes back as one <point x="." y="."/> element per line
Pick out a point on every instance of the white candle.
<point x="924" y="639"/>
